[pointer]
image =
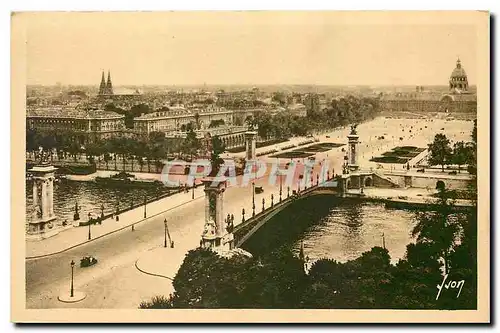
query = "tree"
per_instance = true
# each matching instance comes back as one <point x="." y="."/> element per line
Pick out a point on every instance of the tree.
<point x="215" y="159"/>
<point x="191" y="144"/>
<point x="440" y="228"/>
<point x="474" y="132"/>
<point x="197" y="120"/>
<point x="461" y="154"/>
<point x="439" y="151"/>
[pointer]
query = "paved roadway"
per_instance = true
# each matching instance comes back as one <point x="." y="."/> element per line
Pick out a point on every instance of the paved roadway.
<point x="115" y="282"/>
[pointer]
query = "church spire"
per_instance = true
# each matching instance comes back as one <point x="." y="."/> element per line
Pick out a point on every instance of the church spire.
<point x="109" y="85"/>
<point x="102" y="86"/>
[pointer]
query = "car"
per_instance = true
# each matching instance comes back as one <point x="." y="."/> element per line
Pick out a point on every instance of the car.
<point x="258" y="189"/>
<point x="452" y="173"/>
<point x="421" y="170"/>
<point x="328" y="137"/>
<point x="88" y="261"/>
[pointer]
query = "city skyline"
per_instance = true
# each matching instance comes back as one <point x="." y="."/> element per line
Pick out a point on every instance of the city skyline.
<point x="264" y="48"/>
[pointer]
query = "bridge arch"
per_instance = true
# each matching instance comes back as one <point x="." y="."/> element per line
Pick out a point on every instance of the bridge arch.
<point x="440" y="185"/>
<point x="368" y="181"/>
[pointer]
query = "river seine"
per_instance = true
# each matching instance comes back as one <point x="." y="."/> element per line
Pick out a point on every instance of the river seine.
<point x="335" y="228"/>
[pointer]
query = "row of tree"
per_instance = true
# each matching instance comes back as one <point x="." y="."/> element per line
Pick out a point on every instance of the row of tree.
<point x="143" y="151"/>
<point x="340" y="112"/>
<point x="461" y="153"/>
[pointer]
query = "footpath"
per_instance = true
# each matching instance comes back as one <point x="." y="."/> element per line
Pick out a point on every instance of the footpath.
<point x="75" y="236"/>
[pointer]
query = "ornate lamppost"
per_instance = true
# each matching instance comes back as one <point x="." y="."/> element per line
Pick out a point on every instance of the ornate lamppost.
<point x="243" y="215"/>
<point x="145" y="206"/>
<point x="281" y="187"/>
<point x="288" y="192"/>
<point x="76" y="216"/>
<point x="71" y="292"/>
<point x="194" y="186"/>
<point x="165" y="241"/>
<point x="272" y="199"/>
<point x="90" y="236"/>
<point x="263" y="203"/>
<point x="253" y="199"/>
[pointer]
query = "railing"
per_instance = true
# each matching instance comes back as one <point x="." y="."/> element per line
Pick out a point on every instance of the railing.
<point x="101" y="218"/>
<point x="247" y="228"/>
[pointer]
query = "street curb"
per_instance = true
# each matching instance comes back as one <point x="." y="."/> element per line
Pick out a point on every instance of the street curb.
<point x="152" y="274"/>
<point x="109" y="233"/>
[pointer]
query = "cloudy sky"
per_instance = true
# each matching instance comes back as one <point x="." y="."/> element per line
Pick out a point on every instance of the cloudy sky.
<point x="248" y="48"/>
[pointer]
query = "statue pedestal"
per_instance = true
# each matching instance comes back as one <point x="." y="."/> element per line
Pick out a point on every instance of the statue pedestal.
<point x="214" y="234"/>
<point x="250" y="145"/>
<point x="42" y="224"/>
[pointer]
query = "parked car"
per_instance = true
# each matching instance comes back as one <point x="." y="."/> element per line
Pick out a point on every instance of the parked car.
<point x="452" y="172"/>
<point x="258" y="189"/>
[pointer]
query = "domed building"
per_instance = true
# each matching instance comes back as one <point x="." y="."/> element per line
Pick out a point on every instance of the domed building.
<point x="458" y="99"/>
<point x="458" y="78"/>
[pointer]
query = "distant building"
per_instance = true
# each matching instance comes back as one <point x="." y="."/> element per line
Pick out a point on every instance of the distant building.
<point x="106" y="88"/>
<point x="172" y="119"/>
<point x="85" y="125"/>
<point x="297" y="109"/>
<point x="458" y="99"/>
<point x="312" y="103"/>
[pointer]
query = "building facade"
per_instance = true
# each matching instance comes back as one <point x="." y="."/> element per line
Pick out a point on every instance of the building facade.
<point x="175" y="117"/>
<point x="86" y="125"/>
<point x="458" y="99"/>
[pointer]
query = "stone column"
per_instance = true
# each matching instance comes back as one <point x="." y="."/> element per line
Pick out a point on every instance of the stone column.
<point x="44" y="199"/>
<point x="352" y="153"/>
<point x="214" y="229"/>
<point x="250" y="146"/>
<point x="51" y="196"/>
<point x="35" y="199"/>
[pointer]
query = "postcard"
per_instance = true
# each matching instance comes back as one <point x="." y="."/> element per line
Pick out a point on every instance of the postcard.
<point x="260" y="166"/>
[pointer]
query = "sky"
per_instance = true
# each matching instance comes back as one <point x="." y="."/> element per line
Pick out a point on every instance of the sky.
<point x="179" y="48"/>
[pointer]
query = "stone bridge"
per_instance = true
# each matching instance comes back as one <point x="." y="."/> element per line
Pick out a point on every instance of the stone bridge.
<point x="353" y="185"/>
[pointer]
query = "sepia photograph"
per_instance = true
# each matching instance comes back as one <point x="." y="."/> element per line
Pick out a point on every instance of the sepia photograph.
<point x="318" y="166"/>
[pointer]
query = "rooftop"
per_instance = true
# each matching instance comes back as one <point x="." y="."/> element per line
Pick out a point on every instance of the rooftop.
<point x="72" y="113"/>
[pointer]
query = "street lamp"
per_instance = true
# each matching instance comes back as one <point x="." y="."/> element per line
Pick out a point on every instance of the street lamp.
<point x="71" y="292"/>
<point x="281" y="187"/>
<point x="145" y="206"/>
<point x="194" y="185"/>
<point x="243" y="215"/>
<point x="253" y="199"/>
<point x="165" y="242"/>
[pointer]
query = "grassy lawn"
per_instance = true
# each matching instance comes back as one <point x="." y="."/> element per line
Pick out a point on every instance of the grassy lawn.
<point x="293" y="154"/>
<point x="399" y="154"/>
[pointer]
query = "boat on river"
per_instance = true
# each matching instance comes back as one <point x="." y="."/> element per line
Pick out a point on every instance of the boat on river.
<point x="123" y="179"/>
